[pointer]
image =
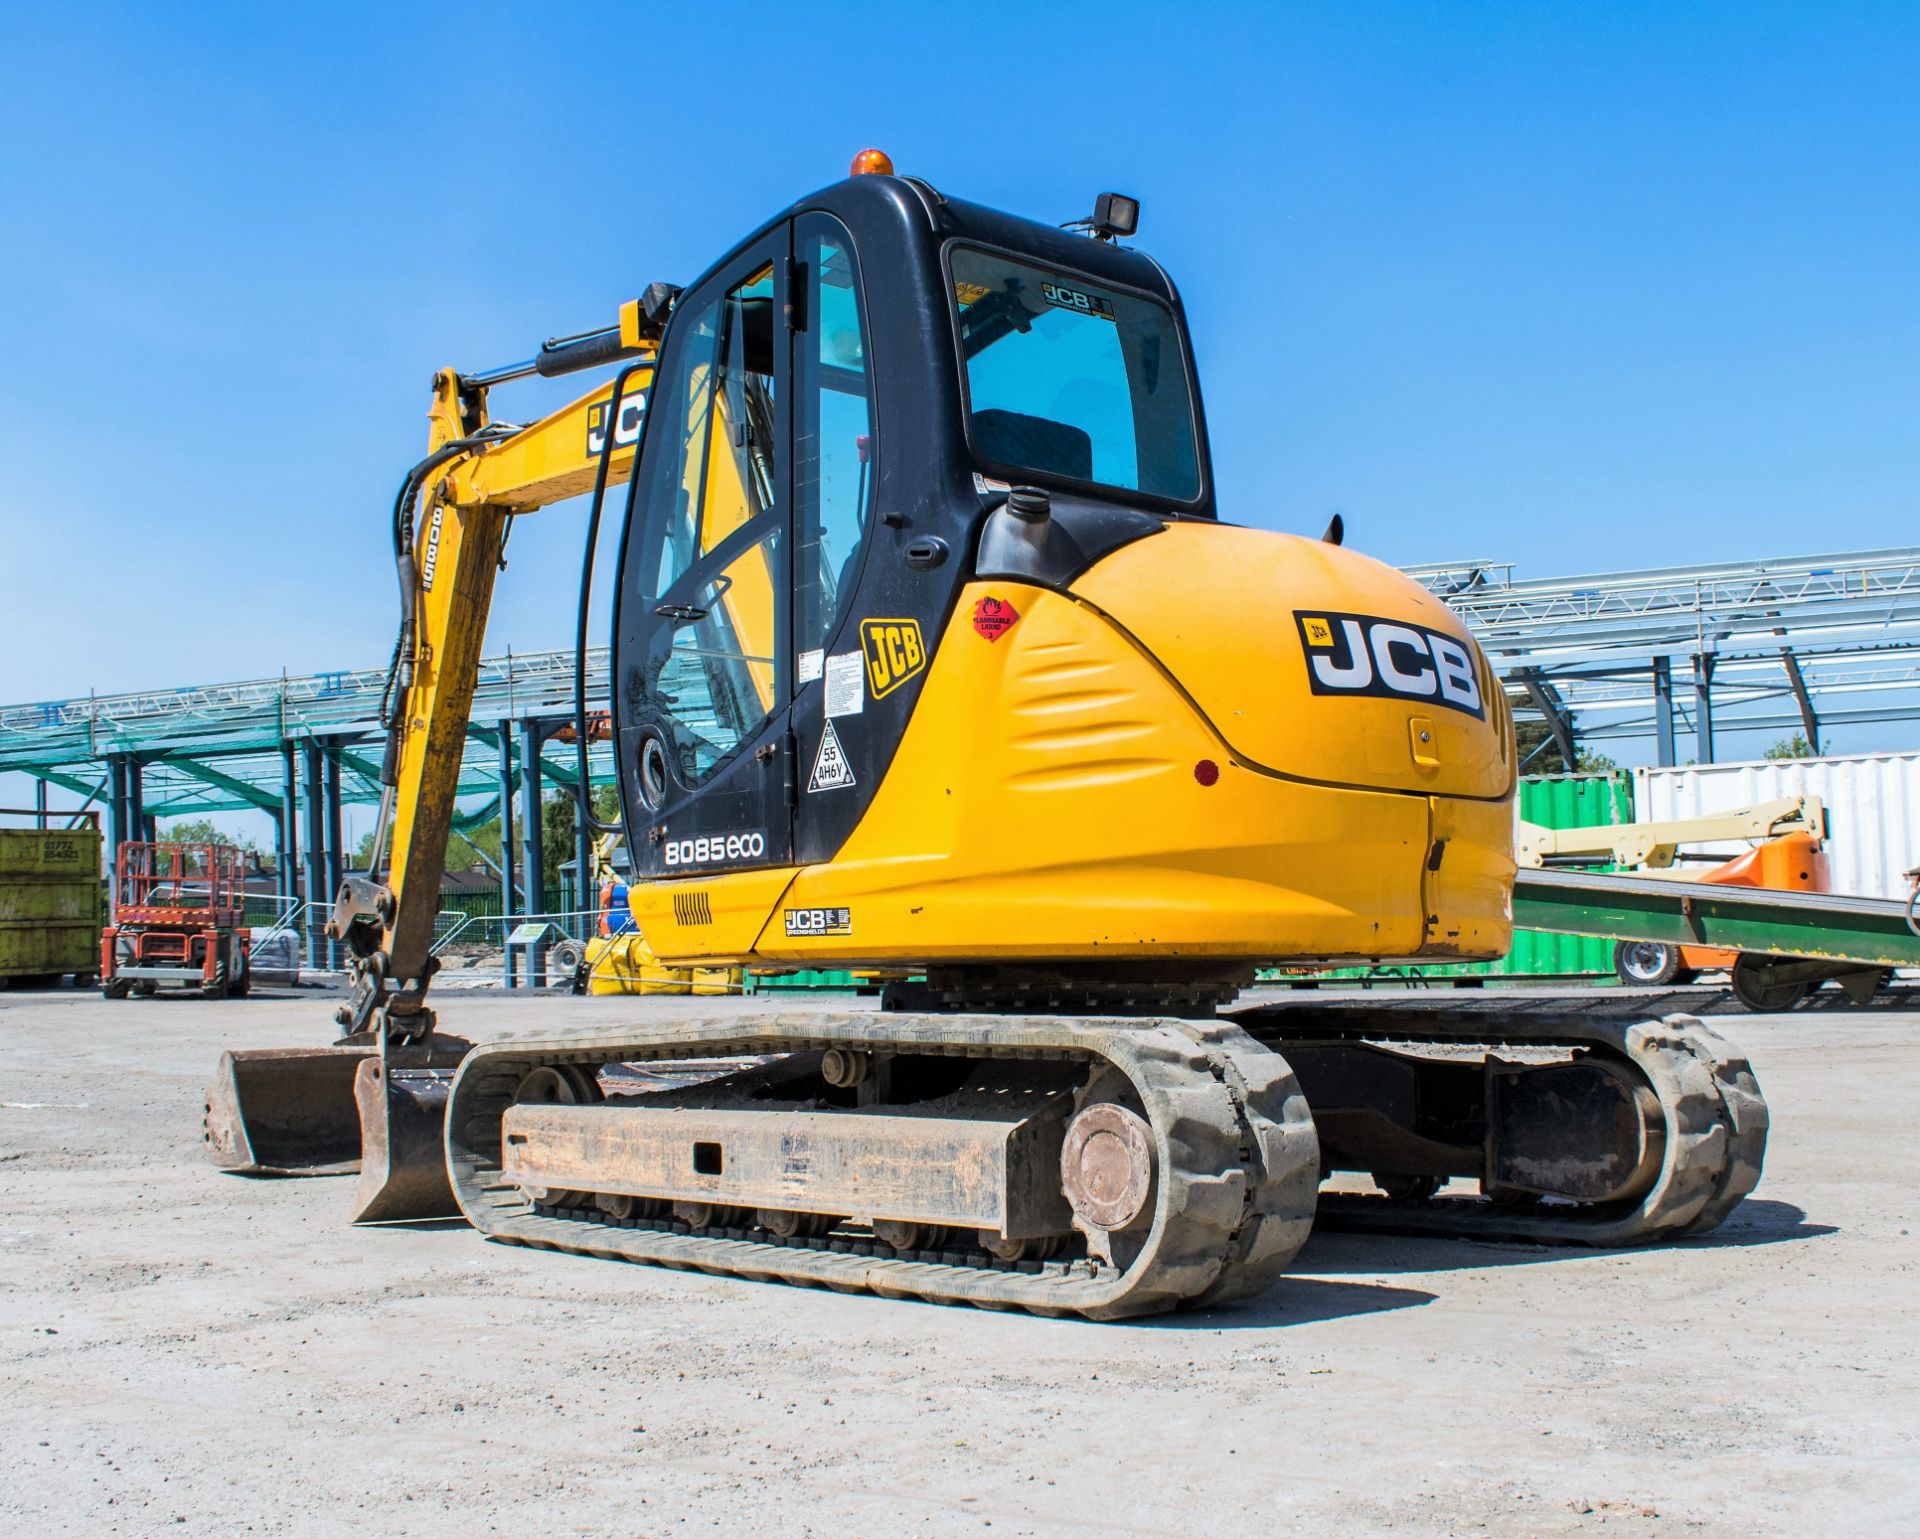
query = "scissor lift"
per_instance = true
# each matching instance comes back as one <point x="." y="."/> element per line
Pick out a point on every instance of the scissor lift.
<point x="179" y="919"/>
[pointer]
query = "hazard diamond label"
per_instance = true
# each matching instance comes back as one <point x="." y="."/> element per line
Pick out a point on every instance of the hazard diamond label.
<point x="830" y="768"/>
<point x="994" y="617"/>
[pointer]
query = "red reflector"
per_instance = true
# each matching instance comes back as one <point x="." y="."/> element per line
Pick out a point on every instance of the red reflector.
<point x="1206" y="772"/>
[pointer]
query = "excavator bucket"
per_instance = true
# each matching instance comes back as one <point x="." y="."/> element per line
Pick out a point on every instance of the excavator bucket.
<point x="286" y="1111"/>
<point x="335" y="1111"/>
<point x="403" y="1113"/>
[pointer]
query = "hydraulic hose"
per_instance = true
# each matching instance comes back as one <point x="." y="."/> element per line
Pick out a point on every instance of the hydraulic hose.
<point x="400" y="668"/>
<point x="583" y="785"/>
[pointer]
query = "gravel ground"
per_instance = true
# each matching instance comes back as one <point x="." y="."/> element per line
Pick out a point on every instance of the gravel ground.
<point x="187" y="1352"/>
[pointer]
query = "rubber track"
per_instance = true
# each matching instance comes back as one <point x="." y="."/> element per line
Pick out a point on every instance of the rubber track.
<point x="1715" y="1116"/>
<point x="1237" y="1159"/>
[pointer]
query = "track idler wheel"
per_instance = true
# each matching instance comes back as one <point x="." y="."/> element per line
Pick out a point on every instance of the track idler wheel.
<point x="1106" y="1172"/>
<point x="562" y="1084"/>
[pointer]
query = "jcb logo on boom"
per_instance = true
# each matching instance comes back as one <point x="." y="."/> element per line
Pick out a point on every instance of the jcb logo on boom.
<point x="1365" y="655"/>
<point x="633" y="412"/>
<point x="894" y="651"/>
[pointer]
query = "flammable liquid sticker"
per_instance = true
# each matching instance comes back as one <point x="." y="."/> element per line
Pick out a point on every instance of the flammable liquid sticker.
<point x="993" y="617"/>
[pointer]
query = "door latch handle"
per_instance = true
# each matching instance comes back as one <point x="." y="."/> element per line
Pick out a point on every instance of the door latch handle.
<point x="927" y="552"/>
<point x="765" y="752"/>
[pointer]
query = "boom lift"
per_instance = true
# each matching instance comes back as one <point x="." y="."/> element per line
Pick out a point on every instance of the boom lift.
<point x="932" y="657"/>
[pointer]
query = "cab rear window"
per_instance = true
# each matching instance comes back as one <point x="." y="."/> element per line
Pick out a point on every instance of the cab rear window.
<point x="1066" y="377"/>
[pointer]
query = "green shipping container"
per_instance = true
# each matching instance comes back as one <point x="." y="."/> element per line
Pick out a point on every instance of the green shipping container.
<point x="1551" y="801"/>
<point x="1566" y="801"/>
<point x="49" y="902"/>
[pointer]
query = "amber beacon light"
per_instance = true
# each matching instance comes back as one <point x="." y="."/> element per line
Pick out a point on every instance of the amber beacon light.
<point x="872" y="163"/>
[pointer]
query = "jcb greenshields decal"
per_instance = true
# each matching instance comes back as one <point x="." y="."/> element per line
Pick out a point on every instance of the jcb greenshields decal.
<point x="894" y="653"/>
<point x="1390" y="659"/>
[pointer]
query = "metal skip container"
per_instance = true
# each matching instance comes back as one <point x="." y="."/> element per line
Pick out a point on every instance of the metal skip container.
<point x="49" y="902"/>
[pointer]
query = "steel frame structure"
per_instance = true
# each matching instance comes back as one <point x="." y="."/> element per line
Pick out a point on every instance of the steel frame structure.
<point x="1799" y="643"/>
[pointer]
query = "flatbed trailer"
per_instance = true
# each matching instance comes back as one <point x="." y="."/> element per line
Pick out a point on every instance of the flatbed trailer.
<point x="1788" y="940"/>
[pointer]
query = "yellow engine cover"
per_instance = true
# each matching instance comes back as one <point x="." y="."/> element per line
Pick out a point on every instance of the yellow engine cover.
<point x="1240" y="616"/>
<point x="1145" y="768"/>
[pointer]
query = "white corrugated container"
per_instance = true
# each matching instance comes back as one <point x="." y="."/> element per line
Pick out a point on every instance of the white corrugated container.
<point x="1872" y="799"/>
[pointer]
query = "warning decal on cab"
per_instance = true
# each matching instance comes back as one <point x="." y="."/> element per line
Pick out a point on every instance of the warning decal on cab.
<point x="993" y="617"/>
<point x="830" y="768"/>
<point x="894" y="653"/>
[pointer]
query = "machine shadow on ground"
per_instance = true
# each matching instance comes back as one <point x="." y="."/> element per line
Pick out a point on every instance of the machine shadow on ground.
<point x="1756" y="1222"/>
<point x="1294" y="1300"/>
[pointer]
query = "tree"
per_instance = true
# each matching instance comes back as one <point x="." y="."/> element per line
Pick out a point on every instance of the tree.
<point x="1795" y="747"/>
<point x="204" y="831"/>
<point x="557" y="825"/>
<point x="465" y="851"/>
<point x="1529" y="735"/>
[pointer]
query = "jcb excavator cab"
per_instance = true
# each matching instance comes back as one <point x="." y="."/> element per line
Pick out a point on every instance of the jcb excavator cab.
<point x="840" y="409"/>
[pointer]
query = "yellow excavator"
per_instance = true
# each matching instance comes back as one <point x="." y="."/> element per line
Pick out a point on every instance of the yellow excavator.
<point x="933" y="658"/>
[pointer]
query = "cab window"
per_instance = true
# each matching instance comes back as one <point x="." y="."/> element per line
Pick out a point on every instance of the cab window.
<point x="833" y="434"/>
<point x="1069" y="377"/>
<point x="718" y="594"/>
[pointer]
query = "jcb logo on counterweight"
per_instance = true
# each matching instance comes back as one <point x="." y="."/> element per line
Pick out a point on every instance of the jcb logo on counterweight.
<point x="1365" y="655"/>
<point x="894" y="651"/>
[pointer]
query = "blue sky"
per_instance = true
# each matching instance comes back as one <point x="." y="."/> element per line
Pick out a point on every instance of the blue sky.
<point x="1568" y="285"/>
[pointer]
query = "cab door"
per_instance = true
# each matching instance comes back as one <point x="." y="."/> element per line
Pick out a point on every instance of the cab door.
<point x="703" y="668"/>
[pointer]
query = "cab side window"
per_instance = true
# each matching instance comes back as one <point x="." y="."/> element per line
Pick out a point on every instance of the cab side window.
<point x="833" y="434"/>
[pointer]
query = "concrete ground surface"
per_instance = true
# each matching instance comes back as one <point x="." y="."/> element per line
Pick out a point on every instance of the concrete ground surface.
<point x="186" y="1352"/>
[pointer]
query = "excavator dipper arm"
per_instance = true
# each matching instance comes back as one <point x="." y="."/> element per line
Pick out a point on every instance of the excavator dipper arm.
<point x="455" y="552"/>
<point x="377" y="1096"/>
